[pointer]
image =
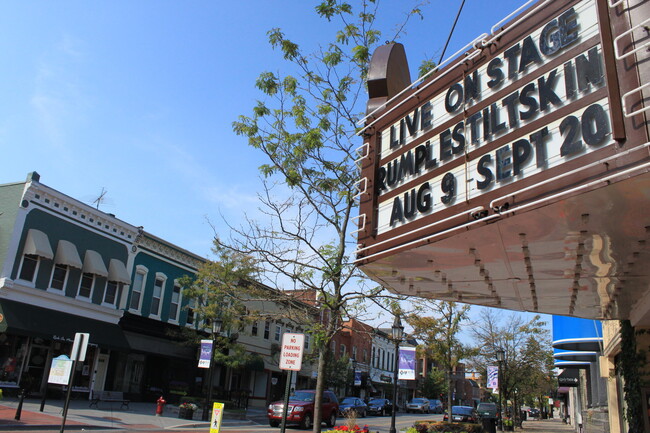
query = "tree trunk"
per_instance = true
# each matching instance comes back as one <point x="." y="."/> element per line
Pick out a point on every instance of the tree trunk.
<point x="320" y="387"/>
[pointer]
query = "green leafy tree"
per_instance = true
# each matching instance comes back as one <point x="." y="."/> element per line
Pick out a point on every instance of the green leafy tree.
<point x="434" y="384"/>
<point x="438" y="334"/>
<point x="305" y="127"/>
<point x="528" y="367"/>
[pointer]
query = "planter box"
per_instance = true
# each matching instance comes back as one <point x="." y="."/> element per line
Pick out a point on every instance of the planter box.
<point x="185" y="413"/>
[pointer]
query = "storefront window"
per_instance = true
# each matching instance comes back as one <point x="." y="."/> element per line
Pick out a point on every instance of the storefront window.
<point x="12" y="355"/>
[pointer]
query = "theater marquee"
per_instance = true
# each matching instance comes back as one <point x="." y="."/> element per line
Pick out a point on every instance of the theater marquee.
<point x="528" y="116"/>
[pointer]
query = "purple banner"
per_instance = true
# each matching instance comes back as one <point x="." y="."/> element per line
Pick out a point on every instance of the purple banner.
<point x="206" y="353"/>
<point x="493" y="377"/>
<point x="406" y="363"/>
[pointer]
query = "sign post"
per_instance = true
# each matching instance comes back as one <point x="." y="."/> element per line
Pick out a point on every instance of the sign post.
<point x="290" y="360"/>
<point x="78" y="353"/>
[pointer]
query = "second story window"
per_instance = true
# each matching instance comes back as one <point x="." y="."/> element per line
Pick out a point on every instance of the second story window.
<point x="137" y="287"/>
<point x="254" y="329"/>
<point x="28" y="268"/>
<point x="156" y="298"/>
<point x="174" y="303"/>
<point x="86" y="285"/>
<point x="110" y="294"/>
<point x="342" y="350"/>
<point x="278" y="332"/>
<point x="190" y="312"/>
<point x="59" y="277"/>
<point x="267" y="329"/>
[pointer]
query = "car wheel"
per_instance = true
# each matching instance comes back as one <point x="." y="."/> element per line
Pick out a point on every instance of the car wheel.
<point x="383" y="412"/>
<point x="332" y="420"/>
<point x="306" y="421"/>
<point x="273" y="423"/>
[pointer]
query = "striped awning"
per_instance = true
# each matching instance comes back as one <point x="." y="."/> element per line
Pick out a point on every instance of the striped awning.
<point x="66" y="254"/>
<point x="38" y="244"/>
<point x="94" y="264"/>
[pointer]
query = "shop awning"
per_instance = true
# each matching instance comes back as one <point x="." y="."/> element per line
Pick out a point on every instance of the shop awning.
<point x="117" y="272"/>
<point x="25" y="319"/>
<point x="94" y="264"/>
<point x="66" y="254"/>
<point x="159" y="346"/>
<point x="37" y="244"/>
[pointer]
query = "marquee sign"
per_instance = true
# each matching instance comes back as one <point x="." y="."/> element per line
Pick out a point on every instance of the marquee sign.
<point x="440" y="147"/>
<point x="527" y="108"/>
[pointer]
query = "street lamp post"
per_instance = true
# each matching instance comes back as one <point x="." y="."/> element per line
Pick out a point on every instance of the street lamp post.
<point x="216" y="330"/>
<point x="398" y="332"/>
<point x="354" y="374"/>
<point x="501" y="354"/>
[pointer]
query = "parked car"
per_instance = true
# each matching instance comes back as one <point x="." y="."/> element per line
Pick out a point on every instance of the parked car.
<point x="462" y="414"/>
<point x="533" y="413"/>
<point x="487" y="410"/>
<point x="418" y="405"/>
<point x="353" y="406"/>
<point x="380" y="406"/>
<point x="435" y="406"/>
<point x="301" y="409"/>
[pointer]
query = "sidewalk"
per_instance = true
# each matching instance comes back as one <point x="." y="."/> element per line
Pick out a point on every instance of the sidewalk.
<point x="139" y="416"/>
<point x="553" y="425"/>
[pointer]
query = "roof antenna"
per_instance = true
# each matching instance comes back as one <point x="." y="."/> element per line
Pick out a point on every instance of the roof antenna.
<point x="100" y="200"/>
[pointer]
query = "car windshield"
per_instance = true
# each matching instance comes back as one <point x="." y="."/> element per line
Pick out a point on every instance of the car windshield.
<point x="487" y="406"/>
<point x="461" y="410"/>
<point x="348" y="400"/>
<point x="417" y="400"/>
<point x="377" y="401"/>
<point x="303" y="396"/>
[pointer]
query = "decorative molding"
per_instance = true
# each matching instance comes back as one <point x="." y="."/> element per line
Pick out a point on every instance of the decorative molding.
<point x="79" y="212"/>
<point x="168" y="251"/>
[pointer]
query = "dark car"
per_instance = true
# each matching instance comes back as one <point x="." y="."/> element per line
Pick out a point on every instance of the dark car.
<point x="380" y="406"/>
<point x="418" y="405"/>
<point x="462" y="414"/>
<point x="301" y="409"/>
<point x="487" y="410"/>
<point x="435" y="406"/>
<point x="533" y="413"/>
<point x="353" y="407"/>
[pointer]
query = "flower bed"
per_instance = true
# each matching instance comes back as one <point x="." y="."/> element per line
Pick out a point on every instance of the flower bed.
<point x="345" y="428"/>
<point x="446" y="427"/>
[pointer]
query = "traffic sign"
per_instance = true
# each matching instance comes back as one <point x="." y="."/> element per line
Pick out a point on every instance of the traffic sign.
<point x="291" y="352"/>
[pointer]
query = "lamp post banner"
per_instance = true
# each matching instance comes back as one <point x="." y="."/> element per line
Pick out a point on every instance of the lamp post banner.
<point x="493" y="377"/>
<point x="206" y="354"/>
<point x="406" y="363"/>
<point x="357" y="378"/>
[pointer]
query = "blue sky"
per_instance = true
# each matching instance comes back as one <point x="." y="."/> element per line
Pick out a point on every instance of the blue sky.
<point x="138" y="97"/>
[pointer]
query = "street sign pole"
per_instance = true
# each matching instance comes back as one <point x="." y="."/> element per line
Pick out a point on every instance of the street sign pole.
<point x="78" y="354"/>
<point x="293" y="346"/>
<point x="285" y="410"/>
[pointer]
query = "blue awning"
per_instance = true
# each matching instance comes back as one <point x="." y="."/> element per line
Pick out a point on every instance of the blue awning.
<point x="575" y="334"/>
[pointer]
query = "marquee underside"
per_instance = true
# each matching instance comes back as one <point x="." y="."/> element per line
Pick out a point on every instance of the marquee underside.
<point x="585" y="256"/>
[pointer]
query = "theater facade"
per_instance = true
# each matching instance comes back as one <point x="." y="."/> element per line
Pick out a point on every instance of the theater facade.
<point x="515" y="175"/>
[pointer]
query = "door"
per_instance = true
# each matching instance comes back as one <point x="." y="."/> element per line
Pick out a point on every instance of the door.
<point x="99" y="376"/>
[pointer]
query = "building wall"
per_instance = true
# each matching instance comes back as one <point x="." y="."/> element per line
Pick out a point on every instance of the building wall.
<point x="10" y="196"/>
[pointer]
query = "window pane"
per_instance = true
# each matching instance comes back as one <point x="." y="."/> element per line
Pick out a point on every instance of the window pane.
<point x="136" y="290"/>
<point x="58" y="276"/>
<point x="28" y="269"/>
<point x="86" y="285"/>
<point x="111" y="293"/>
<point x="155" y="306"/>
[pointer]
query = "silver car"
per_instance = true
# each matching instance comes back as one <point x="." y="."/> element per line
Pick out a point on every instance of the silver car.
<point x="418" y="405"/>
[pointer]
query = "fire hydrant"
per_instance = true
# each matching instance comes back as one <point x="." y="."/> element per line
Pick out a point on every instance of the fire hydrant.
<point x="160" y="405"/>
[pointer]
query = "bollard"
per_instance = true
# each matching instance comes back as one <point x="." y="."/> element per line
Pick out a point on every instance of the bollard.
<point x="19" y="409"/>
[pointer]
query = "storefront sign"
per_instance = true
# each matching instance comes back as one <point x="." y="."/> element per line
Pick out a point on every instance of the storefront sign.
<point x="357" y="378"/>
<point x="206" y="354"/>
<point x="406" y="363"/>
<point x="60" y="370"/>
<point x="568" y="378"/>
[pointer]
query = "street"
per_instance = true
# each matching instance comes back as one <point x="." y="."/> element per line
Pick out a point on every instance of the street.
<point x="375" y="424"/>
